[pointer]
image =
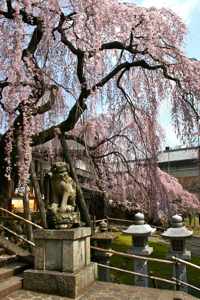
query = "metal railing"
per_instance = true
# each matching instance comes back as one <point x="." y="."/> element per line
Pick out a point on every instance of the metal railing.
<point x="17" y="235"/>
<point x="174" y="260"/>
<point x="155" y="278"/>
<point x="126" y="222"/>
<point x="23" y="220"/>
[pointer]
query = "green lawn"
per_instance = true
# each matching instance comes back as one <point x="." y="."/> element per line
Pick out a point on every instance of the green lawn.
<point x="123" y="243"/>
<point x="194" y="225"/>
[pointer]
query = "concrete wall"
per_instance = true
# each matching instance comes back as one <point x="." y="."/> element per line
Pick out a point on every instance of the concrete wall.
<point x="178" y="154"/>
<point x="184" y="164"/>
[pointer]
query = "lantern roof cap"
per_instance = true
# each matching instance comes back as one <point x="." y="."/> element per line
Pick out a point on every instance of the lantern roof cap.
<point x="177" y="229"/>
<point x="139" y="228"/>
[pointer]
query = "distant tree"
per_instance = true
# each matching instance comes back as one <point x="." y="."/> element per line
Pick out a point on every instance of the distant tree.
<point x="126" y="171"/>
<point x="66" y="62"/>
<point x="166" y="191"/>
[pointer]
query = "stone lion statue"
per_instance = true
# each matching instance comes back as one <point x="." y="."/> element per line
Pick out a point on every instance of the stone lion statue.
<point x="63" y="189"/>
<point x="61" y="213"/>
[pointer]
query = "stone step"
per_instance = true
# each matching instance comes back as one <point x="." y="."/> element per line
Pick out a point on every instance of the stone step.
<point x="2" y="251"/>
<point x="12" y="269"/>
<point x="10" y="285"/>
<point x="7" y="259"/>
<point x="12" y="248"/>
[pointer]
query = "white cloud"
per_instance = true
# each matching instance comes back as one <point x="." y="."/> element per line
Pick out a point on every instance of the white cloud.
<point x="184" y="8"/>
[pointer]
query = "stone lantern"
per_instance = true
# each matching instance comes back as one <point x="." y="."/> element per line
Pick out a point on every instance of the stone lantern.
<point x="140" y="233"/>
<point x="177" y="234"/>
<point x="103" y="239"/>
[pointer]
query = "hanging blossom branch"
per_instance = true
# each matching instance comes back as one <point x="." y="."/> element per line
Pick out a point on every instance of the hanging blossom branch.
<point x="80" y="105"/>
<point x="21" y="125"/>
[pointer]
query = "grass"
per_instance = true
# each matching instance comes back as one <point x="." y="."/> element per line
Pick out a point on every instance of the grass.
<point x="124" y="242"/>
<point x="194" y="225"/>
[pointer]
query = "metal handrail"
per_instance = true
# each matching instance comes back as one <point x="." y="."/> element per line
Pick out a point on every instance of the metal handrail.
<point x="21" y="218"/>
<point x="139" y="274"/>
<point x="185" y="262"/>
<point x="186" y="284"/>
<point x="174" y="280"/>
<point x="132" y="255"/>
<point x="17" y="235"/>
<point x="120" y="220"/>
<point x="173" y="261"/>
<point x="130" y="222"/>
<point x="100" y="220"/>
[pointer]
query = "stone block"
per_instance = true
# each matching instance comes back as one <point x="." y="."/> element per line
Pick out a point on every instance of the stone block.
<point x="62" y="234"/>
<point x="39" y="255"/>
<point x="60" y="283"/>
<point x="74" y="257"/>
<point x="53" y="259"/>
<point x="68" y="257"/>
<point x="62" y="250"/>
<point x="78" y="254"/>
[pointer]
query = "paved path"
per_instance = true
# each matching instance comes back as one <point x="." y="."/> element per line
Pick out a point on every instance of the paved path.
<point x="108" y="291"/>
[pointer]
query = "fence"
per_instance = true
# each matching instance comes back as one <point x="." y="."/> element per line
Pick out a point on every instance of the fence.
<point x="122" y="222"/>
<point x="18" y="236"/>
<point x="176" y="282"/>
<point x="175" y="262"/>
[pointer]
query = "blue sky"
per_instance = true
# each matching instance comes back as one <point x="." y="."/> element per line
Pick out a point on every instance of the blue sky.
<point x="189" y="11"/>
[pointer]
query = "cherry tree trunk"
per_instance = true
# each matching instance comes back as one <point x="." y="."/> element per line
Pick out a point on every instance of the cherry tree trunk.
<point x="38" y="195"/>
<point x="80" y="198"/>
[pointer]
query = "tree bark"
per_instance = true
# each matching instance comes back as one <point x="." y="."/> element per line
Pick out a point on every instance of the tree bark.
<point x="38" y="195"/>
<point x="80" y="199"/>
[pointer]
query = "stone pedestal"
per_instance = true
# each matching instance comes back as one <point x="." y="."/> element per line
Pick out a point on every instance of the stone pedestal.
<point x="103" y="240"/>
<point x="62" y="263"/>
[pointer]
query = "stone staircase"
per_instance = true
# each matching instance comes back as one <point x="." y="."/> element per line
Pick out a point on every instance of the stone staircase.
<point x="11" y="271"/>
